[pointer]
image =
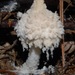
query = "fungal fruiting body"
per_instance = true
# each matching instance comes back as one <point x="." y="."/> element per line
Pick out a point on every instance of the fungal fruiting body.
<point x="39" y="28"/>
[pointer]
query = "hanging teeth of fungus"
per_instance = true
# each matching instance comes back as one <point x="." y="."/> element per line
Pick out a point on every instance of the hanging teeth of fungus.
<point x="39" y="28"/>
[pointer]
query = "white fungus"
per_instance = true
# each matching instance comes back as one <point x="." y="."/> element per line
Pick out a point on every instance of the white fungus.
<point x="39" y="28"/>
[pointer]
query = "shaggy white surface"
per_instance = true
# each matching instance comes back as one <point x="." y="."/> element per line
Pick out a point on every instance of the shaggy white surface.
<point x="39" y="28"/>
<point x="49" y="70"/>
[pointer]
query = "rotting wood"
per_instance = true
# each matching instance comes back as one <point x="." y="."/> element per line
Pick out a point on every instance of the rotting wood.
<point x="7" y="72"/>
